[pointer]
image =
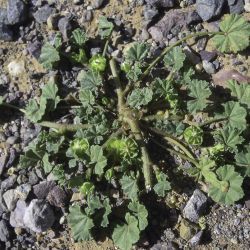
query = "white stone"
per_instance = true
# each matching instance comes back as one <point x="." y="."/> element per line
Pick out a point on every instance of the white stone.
<point x="16" y="68"/>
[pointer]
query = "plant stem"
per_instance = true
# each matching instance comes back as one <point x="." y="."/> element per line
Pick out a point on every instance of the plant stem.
<point x="7" y="105"/>
<point x="166" y="50"/>
<point x="171" y="139"/>
<point x="213" y="121"/>
<point x="63" y="127"/>
<point x="106" y="45"/>
<point x="172" y="151"/>
<point x="126" y="114"/>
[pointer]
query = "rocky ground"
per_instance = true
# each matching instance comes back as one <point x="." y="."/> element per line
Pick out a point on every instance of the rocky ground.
<point x="33" y="208"/>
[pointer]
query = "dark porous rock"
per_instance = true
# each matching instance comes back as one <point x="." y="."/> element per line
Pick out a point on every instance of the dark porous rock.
<point x="208" y="55"/>
<point x="65" y="27"/>
<point x="17" y="12"/>
<point x="23" y="191"/>
<point x="208" y="9"/>
<point x="34" y="48"/>
<point x="96" y="4"/>
<point x="42" y="189"/>
<point x="6" y="34"/>
<point x="235" y="6"/>
<point x="9" y="182"/>
<point x="4" y="231"/>
<point x="39" y="216"/>
<point x="209" y="67"/>
<point x="3" y="161"/>
<point x="42" y="14"/>
<point x="16" y="216"/>
<point x="173" y="19"/>
<point x="161" y="3"/>
<point x="196" y="206"/>
<point x="57" y="197"/>
<point x="12" y="157"/>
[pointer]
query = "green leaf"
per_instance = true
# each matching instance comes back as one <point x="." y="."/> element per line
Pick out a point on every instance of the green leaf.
<point x="140" y="97"/>
<point x="86" y="97"/>
<point x="94" y="203"/>
<point x="163" y="185"/>
<point x="230" y="137"/>
<point x="78" y="57"/>
<point x="97" y="157"/>
<point x="79" y="37"/>
<point x="108" y="210"/>
<point x="49" y="56"/>
<point x="30" y="158"/>
<point x="59" y="174"/>
<point x="134" y="72"/>
<point x="175" y="58"/>
<point x="200" y="91"/>
<point x="129" y="186"/>
<point x="80" y="224"/>
<point x="207" y="167"/>
<point x="47" y="166"/>
<point x="236" y="34"/>
<point x="137" y="52"/>
<point x="232" y="190"/>
<point x="140" y="212"/>
<point x="240" y="91"/>
<point x="105" y="27"/>
<point x="53" y="142"/>
<point x="49" y="92"/>
<point x="235" y="115"/>
<point x="89" y="80"/>
<point x="127" y="234"/>
<point x="33" y="111"/>
<point x="243" y="160"/>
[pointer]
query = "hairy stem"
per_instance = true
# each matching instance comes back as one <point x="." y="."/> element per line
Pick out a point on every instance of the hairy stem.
<point x="172" y="140"/>
<point x="213" y="121"/>
<point x="166" y="50"/>
<point x="63" y="127"/>
<point x="126" y="114"/>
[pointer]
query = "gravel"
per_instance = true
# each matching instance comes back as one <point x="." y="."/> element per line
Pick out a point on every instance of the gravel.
<point x="161" y="3"/>
<point x="42" y="14"/>
<point x="17" y="12"/>
<point x="4" y="231"/>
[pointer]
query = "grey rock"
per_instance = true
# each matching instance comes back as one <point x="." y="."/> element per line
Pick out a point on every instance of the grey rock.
<point x="65" y="27"/>
<point x="76" y="2"/>
<point x="150" y="13"/>
<point x="209" y="67"/>
<point x="196" y="206"/>
<point x="207" y="55"/>
<point x="96" y="4"/>
<point x="23" y="191"/>
<point x="17" y="12"/>
<point x="34" y="49"/>
<point x="12" y="140"/>
<point x="191" y="55"/>
<point x="42" y="14"/>
<point x="38" y="216"/>
<point x="57" y="197"/>
<point x="33" y="179"/>
<point x="4" y="231"/>
<point x="6" y="34"/>
<point x="174" y="19"/>
<point x="87" y="16"/>
<point x="208" y="9"/>
<point x="42" y="189"/>
<point x="16" y="216"/>
<point x="196" y="239"/>
<point x="236" y="6"/>
<point x="161" y="3"/>
<point x="3" y="161"/>
<point x="10" y="198"/>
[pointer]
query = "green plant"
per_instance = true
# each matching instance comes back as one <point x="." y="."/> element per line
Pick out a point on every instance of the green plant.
<point x="110" y="136"/>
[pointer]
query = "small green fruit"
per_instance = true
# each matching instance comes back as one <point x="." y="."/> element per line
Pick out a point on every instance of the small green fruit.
<point x="98" y="63"/>
<point x="79" y="147"/>
<point x="193" y="135"/>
